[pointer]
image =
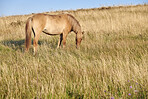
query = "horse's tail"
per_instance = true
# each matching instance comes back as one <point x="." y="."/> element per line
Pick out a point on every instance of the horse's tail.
<point x="28" y="30"/>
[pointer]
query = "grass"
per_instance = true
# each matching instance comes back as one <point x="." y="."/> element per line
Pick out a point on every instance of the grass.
<point x="111" y="63"/>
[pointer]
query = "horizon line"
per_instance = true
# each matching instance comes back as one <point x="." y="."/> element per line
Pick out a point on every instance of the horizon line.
<point x="120" y="5"/>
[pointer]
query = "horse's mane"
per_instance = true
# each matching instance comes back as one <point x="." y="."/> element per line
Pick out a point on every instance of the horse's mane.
<point x="75" y="24"/>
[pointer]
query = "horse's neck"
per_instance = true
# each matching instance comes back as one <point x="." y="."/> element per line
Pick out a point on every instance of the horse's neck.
<point x="77" y="29"/>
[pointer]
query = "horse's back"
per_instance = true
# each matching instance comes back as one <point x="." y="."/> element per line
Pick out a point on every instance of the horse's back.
<point x="52" y="24"/>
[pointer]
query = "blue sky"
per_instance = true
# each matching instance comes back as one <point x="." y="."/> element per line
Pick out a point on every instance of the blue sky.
<point x="19" y="7"/>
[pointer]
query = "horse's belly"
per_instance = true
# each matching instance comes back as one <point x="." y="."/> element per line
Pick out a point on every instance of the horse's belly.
<point x="53" y="31"/>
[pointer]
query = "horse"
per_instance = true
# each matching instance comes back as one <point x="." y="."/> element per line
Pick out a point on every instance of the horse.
<point x="61" y="24"/>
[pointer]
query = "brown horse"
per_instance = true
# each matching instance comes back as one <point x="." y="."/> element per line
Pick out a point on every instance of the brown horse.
<point x="52" y="25"/>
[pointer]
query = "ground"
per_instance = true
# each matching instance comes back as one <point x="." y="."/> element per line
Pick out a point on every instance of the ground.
<point x="112" y="61"/>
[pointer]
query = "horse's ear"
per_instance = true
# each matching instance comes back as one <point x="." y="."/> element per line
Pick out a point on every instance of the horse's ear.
<point x="83" y="37"/>
<point x="83" y="32"/>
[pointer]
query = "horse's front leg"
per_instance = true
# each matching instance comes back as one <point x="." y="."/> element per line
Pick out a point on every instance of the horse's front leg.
<point x="60" y="41"/>
<point x="64" y="39"/>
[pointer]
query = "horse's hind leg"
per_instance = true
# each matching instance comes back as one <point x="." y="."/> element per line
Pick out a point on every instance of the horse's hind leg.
<point x="36" y="38"/>
<point x="60" y="41"/>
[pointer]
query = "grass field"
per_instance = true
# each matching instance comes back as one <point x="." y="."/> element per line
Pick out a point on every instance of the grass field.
<point x="111" y="63"/>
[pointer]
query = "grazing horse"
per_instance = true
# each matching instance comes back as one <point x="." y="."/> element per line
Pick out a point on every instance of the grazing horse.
<point x="60" y="24"/>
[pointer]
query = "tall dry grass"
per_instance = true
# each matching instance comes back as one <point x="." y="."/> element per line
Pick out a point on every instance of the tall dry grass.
<point x="111" y="63"/>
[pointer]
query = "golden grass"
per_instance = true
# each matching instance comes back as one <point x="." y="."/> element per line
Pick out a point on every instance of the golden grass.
<point x="111" y="63"/>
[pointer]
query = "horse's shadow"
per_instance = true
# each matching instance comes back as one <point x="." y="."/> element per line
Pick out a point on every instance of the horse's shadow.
<point x="16" y="44"/>
<point x="20" y="44"/>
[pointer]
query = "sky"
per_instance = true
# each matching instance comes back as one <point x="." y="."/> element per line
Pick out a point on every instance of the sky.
<point x="21" y="7"/>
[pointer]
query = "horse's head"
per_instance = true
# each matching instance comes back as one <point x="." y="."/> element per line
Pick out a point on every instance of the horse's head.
<point x="79" y="38"/>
